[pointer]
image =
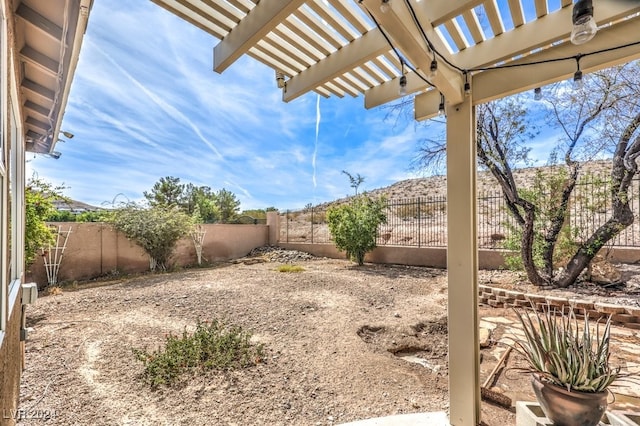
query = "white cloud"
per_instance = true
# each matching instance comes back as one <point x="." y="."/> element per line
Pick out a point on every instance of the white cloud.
<point x="146" y="103"/>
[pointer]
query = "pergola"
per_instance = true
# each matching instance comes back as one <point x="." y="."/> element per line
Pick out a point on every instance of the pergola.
<point x="450" y="55"/>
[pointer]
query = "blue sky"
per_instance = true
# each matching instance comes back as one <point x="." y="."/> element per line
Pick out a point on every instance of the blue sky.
<point x="145" y="103"/>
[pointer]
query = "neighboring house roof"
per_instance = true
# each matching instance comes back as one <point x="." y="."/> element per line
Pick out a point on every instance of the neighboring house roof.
<point x="335" y="47"/>
<point x="48" y="35"/>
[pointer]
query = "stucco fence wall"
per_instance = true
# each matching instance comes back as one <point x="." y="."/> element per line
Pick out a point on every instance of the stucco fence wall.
<point x="96" y="249"/>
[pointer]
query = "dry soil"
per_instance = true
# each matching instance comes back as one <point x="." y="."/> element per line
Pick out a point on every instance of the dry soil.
<point x="339" y="341"/>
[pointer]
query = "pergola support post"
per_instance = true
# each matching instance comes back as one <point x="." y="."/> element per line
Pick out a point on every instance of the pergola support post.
<point x="462" y="266"/>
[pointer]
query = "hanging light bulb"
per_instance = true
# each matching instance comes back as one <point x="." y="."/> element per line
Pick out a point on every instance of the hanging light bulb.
<point x="280" y="79"/>
<point x="537" y="94"/>
<point x="385" y="6"/>
<point x="402" y="90"/>
<point x="441" y="106"/>
<point x="467" y="85"/>
<point x="433" y="69"/>
<point x="578" y="83"/>
<point x="584" y="26"/>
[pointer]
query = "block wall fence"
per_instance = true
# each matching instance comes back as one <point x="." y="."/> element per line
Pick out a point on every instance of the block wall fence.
<point x="96" y="249"/>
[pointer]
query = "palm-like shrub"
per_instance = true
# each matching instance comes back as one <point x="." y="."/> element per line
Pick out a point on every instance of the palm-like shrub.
<point x="566" y="352"/>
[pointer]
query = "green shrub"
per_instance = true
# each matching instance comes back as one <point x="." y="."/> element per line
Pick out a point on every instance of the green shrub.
<point x="156" y="229"/>
<point x="354" y="225"/>
<point x="213" y="346"/>
<point x="39" y="196"/>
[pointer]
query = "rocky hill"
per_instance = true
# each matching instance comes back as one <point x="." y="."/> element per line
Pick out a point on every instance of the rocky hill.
<point x="437" y="185"/>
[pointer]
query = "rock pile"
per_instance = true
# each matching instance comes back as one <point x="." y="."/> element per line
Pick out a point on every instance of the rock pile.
<point x="277" y="254"/>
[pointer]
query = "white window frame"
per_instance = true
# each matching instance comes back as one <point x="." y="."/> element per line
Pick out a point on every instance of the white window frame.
<point x="4" y="105"/>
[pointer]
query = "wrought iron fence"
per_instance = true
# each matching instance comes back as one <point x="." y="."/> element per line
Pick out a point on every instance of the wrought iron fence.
<point x="422" y="221"/>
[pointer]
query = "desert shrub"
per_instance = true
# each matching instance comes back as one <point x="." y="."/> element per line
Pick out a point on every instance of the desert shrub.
<point x="39" y="197"/>
<point x="156" y="229"/>
<point x="354" y="225"/>
<point x="546" y="192"/>
<point x="290" y="268"/>
<point x="213" y="346"/>
<point x="319" y="217"/>
<point x="418" y="208"/>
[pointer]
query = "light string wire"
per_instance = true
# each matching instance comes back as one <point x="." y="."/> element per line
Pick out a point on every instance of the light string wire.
<point x="395" y="50"/>
<point x="575" y="57"/>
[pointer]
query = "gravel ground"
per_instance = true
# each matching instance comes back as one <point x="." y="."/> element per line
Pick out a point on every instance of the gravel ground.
<point x="338" y="344"/>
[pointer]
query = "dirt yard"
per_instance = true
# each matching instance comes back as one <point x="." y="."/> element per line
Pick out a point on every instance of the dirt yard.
<point x="338" y="344"/>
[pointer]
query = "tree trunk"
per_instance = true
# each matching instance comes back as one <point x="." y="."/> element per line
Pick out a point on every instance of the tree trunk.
<point x="592" y="246"/>
<point x="623" y="170"/>
<point x="528" y="235"/>
<point x="558" y="218"/>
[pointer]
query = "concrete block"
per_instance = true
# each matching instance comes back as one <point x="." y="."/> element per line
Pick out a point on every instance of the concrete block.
<point x="620" y="418"/>
<point x="530" y="414"/>
<point x="609" y="308"/>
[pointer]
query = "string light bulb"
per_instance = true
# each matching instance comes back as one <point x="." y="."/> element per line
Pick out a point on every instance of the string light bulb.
<point x="467" y="85"/>
<point x="537" y="94"/>
<point x="578" y="82"/>
<point x="385" y="6"/>
<point x="433" y="69"/>
<point x="441" y="106"/>
<point x="280" y="79"/>
<point x="402" y="90"/>
<point x="584" y="26"/>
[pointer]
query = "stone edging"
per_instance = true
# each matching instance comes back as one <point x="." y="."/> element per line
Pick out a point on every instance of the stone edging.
<point x="626" y="316"/>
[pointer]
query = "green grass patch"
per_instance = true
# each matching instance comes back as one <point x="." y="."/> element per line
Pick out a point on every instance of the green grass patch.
<point x="290" y="268"/>
<point x="212" y="346"/>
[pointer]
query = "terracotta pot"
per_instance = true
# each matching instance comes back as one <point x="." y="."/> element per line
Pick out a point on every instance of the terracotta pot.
<point x="566" y="408"/>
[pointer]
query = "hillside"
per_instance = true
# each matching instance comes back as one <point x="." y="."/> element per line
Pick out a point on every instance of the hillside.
<point x="437" y="185"/>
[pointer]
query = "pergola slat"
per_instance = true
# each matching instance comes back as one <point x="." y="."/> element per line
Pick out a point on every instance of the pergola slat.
<point x="257" y="24"/>
<point x="310" y="21"/>
<point x="223" y="9"/>
<point x="332" y="20"/>
<point x="517" y="14"/>
<point x="456" y="34"/>
<point x="179" y="11"/>
<point x="286" y="50"/>
<point x="542" y="8"/>
<point x="345" y="7"/>
<point x="267" y="49"/>
<point x="491" y="8"/>
<point x="299" y="28"/>
<point x="207" y="15"/>
<point x="471" y="19"/>
<point x="349" y="57"/>
<point x="294" y="40"/>
<point x="243" y="6"/>
<point x="374" y="73"/>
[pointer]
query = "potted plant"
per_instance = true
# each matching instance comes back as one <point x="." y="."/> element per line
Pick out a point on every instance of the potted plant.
<point x="569" y="362"/>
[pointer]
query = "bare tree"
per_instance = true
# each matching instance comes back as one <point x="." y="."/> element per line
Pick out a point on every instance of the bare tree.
<point x="602" y="117"/>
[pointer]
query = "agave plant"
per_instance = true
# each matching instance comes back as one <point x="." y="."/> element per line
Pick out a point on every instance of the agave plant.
<point x="565" y="352"/>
